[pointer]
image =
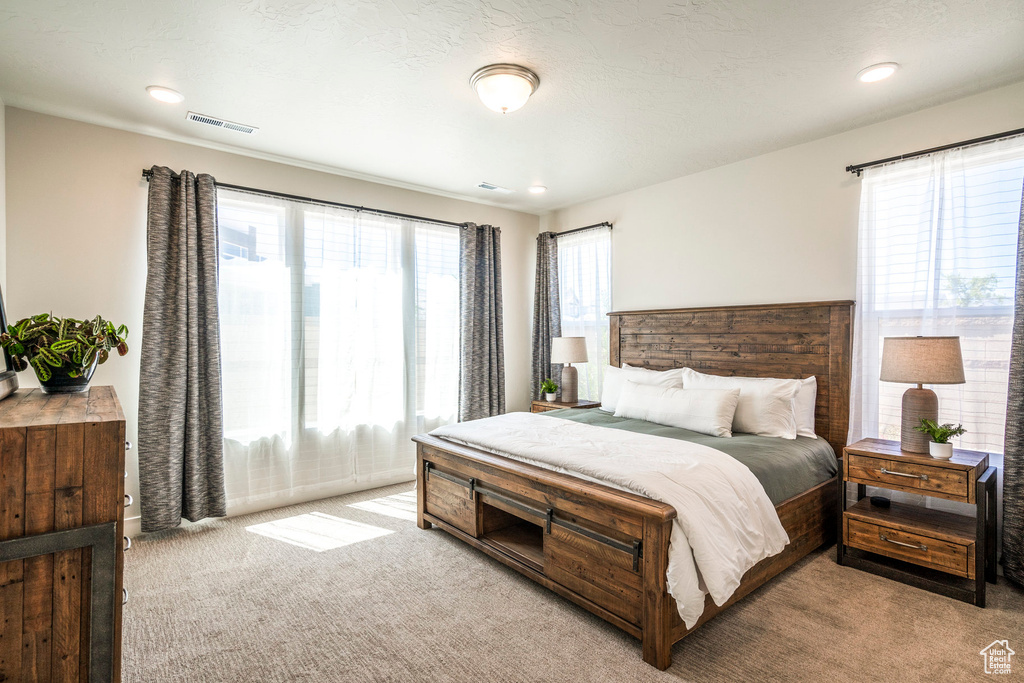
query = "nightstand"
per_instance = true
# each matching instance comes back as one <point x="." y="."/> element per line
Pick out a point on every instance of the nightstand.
<point x="545" y="406"/>
<point x="940" y="551"/>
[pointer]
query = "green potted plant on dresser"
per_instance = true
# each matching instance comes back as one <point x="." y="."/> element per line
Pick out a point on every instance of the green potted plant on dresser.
<point x="940" y="447"/>
<point x="63" y="352"/>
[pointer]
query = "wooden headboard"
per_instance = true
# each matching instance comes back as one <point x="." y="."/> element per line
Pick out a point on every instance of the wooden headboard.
<point x="775" y="340"/>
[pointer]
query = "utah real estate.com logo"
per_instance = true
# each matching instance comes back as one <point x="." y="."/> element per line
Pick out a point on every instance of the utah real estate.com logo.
<point x="997" y="657"/>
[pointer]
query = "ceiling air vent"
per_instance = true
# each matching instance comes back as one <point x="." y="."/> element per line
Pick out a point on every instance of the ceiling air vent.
<point x="491" y="187"/>
<point x="221" y="123"/>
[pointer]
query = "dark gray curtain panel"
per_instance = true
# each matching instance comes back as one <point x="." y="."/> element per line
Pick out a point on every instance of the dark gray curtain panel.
<point x="181" y="458"/>
<point x="1013" y="458"/>
<point x="482" y="350"/>
<point x="547" y="313"/>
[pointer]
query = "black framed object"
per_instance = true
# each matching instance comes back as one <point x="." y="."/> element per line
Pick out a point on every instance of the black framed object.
<point x="8" y="377"/>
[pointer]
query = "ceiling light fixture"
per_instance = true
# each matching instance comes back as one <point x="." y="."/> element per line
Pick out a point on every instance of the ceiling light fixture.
<point x="877" y="72"/>
<point x="504" y="87"/>
<point x="537" y="189"/>
<point x="166" y="95"/>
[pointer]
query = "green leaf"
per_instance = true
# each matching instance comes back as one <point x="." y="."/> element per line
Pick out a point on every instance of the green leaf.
<point x="42" y="372"/>
<point x="50" y="357"/>
<point x="122" y="331"/>
<point x="64" y="345"/>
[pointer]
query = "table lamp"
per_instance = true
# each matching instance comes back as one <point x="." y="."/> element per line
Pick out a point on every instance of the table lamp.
<point x="569" y="350"/>
<point x="920" y="360"/>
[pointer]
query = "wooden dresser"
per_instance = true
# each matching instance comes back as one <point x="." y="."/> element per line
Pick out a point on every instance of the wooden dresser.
<point x="61" y="486"/>
<point x="951" y="554"/>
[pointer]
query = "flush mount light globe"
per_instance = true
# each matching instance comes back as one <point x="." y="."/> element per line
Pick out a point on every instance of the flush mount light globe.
<point x="877" y="72"/>
<point x="537" y="189"/>
<point x="504" y="88"/>
<point x="166" y="95"/>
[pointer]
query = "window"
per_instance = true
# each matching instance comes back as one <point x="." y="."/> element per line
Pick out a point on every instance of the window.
<point x="339" y="335"/>
<point x="585" y="298"/>
<point x="938" y="244"/>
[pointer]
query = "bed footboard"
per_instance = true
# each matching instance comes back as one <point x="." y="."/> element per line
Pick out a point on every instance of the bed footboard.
<point x="604" y="549"/>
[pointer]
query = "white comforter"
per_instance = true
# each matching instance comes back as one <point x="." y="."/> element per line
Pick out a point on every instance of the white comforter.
<point x="725" y="521"/>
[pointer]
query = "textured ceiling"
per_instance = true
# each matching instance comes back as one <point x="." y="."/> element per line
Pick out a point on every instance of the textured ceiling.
<point x="632" y="93"/>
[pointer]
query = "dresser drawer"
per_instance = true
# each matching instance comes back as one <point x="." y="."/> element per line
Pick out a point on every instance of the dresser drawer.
<point x="912" y="477"/>
<point x="910" y="546"/>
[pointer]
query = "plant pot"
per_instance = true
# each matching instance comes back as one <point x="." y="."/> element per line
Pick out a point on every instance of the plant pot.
<point x="61" y="383"/>
<point x="551" y="397"/>
<point x="940" y="451"/>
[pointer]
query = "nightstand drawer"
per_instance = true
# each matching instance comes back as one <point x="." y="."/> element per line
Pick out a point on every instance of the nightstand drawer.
<point x="909" y="546"/>
<point x="912" y="477"/>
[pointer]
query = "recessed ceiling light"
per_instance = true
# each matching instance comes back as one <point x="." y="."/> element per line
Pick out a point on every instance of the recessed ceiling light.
<point x="537" y="189"/>
<point x="504" y="88"/>
<point x="166" y="95"/>
<point x="877" y="72"/>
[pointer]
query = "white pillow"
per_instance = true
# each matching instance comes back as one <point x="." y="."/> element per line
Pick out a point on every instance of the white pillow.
<point x="805" y="399"/>
<point x="766" y="406"/>
<point x="615" y="377"/>
<point x="708" y="411"/>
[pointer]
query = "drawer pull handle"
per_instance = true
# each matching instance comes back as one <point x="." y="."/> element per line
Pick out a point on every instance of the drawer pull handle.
<point x="128" y="500"/>
<point x="124" y="596"/>
<point x="127" y="543"/>
<point x="922" y="477"/>
<point x="915" y="546"/>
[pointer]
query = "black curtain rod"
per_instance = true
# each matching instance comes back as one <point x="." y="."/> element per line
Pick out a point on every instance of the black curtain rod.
<point x="857" y="168"/>
<point x="585" y="227"/>
<point x="146" y="173"/>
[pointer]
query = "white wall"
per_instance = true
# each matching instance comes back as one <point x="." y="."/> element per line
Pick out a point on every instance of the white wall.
<point x="77" y="243"/>
<point x="775" y="228"/>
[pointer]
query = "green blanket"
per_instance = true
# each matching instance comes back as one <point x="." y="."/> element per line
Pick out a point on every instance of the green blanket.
<point x="785" y="468"/>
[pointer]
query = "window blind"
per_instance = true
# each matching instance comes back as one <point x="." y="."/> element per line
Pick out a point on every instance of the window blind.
<point x="585" y="295"/>
<point x="937" y="256"/>
<point x="340" y="342"/>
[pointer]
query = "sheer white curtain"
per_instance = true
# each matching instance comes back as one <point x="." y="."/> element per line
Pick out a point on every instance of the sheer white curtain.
<point x="937" y="256"/>
<point x="585" y="295"/>
<point x="340" y="341"/>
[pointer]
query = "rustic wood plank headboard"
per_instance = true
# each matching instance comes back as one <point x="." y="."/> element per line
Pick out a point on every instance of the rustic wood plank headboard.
<point x="775" y="340"/>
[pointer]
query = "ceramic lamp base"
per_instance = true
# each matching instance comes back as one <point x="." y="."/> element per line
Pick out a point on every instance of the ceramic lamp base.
<point x="918" y="404"/>
<point x="570" y="384"/>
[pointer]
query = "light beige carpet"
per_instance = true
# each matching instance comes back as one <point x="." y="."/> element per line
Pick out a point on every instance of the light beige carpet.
<point x="217" y="602"/>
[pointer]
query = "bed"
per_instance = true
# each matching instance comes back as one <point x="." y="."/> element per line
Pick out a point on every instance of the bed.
<point x="607" y="549"/>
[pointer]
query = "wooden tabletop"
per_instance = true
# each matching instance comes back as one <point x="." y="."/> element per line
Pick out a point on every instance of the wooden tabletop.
<point x="962" y="459"/>
<point x="33" y="408"/>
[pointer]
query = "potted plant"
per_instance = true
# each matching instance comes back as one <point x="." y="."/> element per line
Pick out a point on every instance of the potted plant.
<point x="940" y="447"/>
<point x="63" y="352"/>
<point x="549" y="389"/>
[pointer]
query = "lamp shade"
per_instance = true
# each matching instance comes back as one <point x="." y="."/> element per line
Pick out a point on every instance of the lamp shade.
<point x="922" y="360"/>
<point x="569" y="350"/>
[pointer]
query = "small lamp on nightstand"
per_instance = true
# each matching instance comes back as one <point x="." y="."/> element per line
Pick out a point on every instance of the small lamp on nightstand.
<point x="569" y="350"/>
<point x="920" y="360"/>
